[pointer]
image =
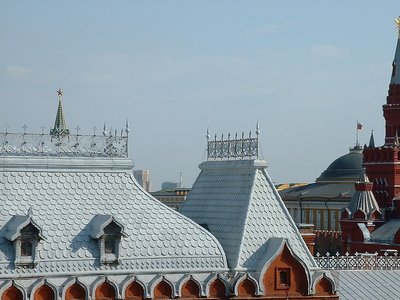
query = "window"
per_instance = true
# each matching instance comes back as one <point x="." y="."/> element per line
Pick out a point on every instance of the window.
<point x="282" y="278"/>
<point x="108" y="233"/>
<point x="25" y="246"/>
<point x="109" y="243"/>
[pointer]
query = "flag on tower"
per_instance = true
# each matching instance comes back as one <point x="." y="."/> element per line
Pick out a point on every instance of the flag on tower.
<point x="359" y="126"/>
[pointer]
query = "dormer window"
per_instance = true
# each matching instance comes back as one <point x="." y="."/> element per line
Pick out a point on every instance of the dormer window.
<point x="108" y="232"/>
<point x="25" y="235"/>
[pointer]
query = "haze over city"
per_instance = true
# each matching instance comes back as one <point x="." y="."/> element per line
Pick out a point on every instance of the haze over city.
<point x="305" y="71"/>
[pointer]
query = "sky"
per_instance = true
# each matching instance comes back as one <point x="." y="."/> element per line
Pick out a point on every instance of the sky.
<point x="305" y="70"/>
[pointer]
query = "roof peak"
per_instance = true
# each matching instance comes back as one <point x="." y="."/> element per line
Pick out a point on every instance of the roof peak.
<point x="60" y="125"/>
<point x="396" y="61"/>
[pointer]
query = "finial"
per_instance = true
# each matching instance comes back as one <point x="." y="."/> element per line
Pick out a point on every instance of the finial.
<point x="208" y="134"/>
<point x="104" y="130"/>
<point x="77" y="128"/>
<point x="30" y="211"/>
<point x="127" y="127"/>
<point x="94" y="130"/>
<point x="111" y="129"/>
<point x="59" y="93"/>
<point x="24" y="127"/>
<point x="257" y="128"/>
<point x="397" y="21"/>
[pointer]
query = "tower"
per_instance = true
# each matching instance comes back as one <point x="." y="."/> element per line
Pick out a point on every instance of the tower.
<point x="60" y="126"/>
<point x="383" y="163"/>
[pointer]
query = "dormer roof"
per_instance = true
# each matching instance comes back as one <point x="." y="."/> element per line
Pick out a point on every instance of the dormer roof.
<point x="14" y="226"/>
<point x="99" y="222"/>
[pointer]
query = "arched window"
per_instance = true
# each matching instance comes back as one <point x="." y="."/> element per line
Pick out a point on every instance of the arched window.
<point x="163" y="291"/>
<point x="247" y="289"/>
<point x="105" y="291"/>
<point x="75" y="292"/>
<point x="108" y="232"/>
<point x="217" y="289"/>
<point x="190" y="289"/>
<point x="134" y="291"/>
<point x="12" y="293"/>
<point x="44" y="293"/>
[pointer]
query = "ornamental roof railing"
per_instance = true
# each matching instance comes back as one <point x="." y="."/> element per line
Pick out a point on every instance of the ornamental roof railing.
<point x="243" y="147"/>
<point x="359" y="261"/>
<point x="28" y="144"/>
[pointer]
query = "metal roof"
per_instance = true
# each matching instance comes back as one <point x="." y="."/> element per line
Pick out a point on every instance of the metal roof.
<point x="345" y="168"/>
<point x="367" y="284"/>
<point x="237" y="201"/>
<point x="64" y="194"/>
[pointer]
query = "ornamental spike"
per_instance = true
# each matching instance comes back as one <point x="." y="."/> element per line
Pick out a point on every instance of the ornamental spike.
<point x="257" y="128"/>
<point x="208" y="134"/>
<point x="127" y="127"/>
<point x="104" y="130"/>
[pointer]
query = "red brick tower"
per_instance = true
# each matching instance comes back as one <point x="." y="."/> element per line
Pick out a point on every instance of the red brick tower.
<point x="383" y="163"/>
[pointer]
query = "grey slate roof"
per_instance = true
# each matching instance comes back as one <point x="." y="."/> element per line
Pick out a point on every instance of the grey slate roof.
<point x="367" y="284"/>
<point x="239" y="204"/>
<point x="363" y="200"/>
<point x="65" y="194"/>
<point x="386" y="232"/>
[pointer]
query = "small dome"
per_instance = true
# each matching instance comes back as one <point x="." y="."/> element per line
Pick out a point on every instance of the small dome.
<point x="346" y="168"/>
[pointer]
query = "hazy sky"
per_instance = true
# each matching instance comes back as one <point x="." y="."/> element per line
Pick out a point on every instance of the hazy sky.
<point x="306" y="70"/>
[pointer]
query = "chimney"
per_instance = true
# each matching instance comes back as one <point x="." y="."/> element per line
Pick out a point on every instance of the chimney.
<point x="308" y="235"/>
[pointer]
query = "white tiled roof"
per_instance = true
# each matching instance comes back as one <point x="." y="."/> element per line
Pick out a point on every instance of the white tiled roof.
<point x="64" y="194"/>
<point x="238" y="203"/>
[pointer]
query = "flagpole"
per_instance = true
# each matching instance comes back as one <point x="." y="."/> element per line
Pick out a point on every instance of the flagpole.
<point x="357" y="133"/>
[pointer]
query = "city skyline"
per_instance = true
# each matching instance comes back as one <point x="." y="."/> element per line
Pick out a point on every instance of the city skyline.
<point x="306" y="72"/>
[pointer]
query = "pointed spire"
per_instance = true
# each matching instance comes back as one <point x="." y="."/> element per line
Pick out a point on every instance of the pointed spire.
<point x="371" y="140"/>
<point x="60" y="126"/>
<point x="395" y="65"/>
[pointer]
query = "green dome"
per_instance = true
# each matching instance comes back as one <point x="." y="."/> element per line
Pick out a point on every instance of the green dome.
<point x="346" y="168"/>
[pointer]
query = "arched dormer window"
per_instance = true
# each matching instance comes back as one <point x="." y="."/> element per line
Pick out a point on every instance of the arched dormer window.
<point x="108" y="232"/>
<point x="25" y="235"/>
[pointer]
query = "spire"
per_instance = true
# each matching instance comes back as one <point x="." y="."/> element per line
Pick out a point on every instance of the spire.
<point x="60" y="126"/>
<point x="371" y="140"/>
<point x="396" y="62"/>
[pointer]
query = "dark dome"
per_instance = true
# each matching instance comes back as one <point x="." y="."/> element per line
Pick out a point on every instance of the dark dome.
<point x="346" y="168"/>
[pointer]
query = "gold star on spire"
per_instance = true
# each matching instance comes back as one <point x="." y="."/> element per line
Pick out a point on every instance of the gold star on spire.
<point x="397" y="21"/>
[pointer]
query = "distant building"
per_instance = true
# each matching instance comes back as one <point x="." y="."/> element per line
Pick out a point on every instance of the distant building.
<point x="320" y="203"/>
<point x="143" y="178"/>
<point x="167" y="185"/>
<point x="173" y="198"/>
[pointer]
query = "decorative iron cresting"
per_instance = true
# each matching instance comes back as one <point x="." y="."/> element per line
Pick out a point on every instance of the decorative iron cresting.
<point x="233" y="148"/>
<point x="359" y="261"/>
<point x="27" y="144"/>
